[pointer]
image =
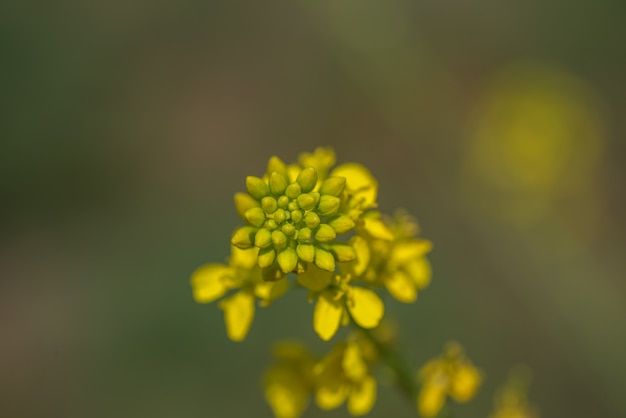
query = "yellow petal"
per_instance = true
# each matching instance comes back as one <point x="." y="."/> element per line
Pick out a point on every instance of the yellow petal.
<point x="331" y="393"/>
<point x="270" y="291"/>
<point x="420" y="272"/>
<point x="407" y="250"/>
<point x="430" y="400"/>
<point x="362" y="250"/>
<point x="238" y="314"/>
<point x="362" y="397"/>
<point x="465" y="382"/>
<point x="285" y="392"/>
<point x="208" y="282"/>
<point x="243" y="258"/>
<point x="401" y="287"/>
<point x="376" y="229"/>
<point x="359" y="181"/>
<point x="366" y="308"/>
<point x="314" y="278"/>
<point x="327" y="316"/>
<point x="352" y="362"/>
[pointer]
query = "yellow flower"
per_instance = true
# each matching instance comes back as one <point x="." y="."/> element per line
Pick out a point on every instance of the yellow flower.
<point x="511" y="401"/>
<point x="387" y="253"/>
<point x="212" y="281"/>
<point x="344" y="374"/>
<point x="451" y="374"/>
<point x="289" y="383"/>
<point x="338" y="301"/>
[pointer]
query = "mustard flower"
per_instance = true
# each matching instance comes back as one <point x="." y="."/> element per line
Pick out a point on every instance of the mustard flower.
<point x="451" y="374"/>
<point x="212" y="281"/>
<point x="344" y="375"/>
<point x="511" y="401"/>
<point x="388" y="254"/>
<point x="338" y="301"/>
<point x="294" y="213"/>
<point x="289" y="383"/>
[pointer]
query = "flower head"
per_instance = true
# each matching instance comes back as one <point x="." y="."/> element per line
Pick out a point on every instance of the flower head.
<point x="213" y="281"/>
<point x="294" y="213"/>
<point x="451" y="374"/>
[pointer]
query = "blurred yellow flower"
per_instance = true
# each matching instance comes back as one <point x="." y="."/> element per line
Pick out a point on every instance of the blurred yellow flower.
<point x="212" y="281"/>
<point x="451" y="374"/>
<point x="511" y="401"/>
<point x="289" y="383"/>
<point x="344" y="374"/>
<point x="338" y="301"/>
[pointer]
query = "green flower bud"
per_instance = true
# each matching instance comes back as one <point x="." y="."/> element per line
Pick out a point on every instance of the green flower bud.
<point x="328" y="206"/>
<point x="325" y="233"/>
<point x="269" y="204"/>
<point x="306" y="252"/>
<point x="256" y="187"/>
<point x="316" y="196"/>
<point x="293" y="190"/>
<point x="280" y="216"/>
<point x="304" y="234"/>
<point x="263" y="238"/>
<point x="255" y="217"/>
<point x="283" y="202"/>
<point x="324" y="259"/>
<point x="279" y="239"/>
<point x="243" y="202"/>
<point x="288" y="229"/>
<point x="341" y="224"/>
<point x="342" y="252"/>
<point x="278" y="184"/>
<point x="244" y="237"/>
<point x="293" y="205"/>
<point x="306" y="201"/>
<point x="266" y="257"/>
<point x="296" y="216"/>
<point x="275" y="164"/>
<point x="287" y="260"/>
<point x="307" y="179"/>
<point x="312" y="220"/>
<point x="333" y="186"/>
<point x="271" y="224"/>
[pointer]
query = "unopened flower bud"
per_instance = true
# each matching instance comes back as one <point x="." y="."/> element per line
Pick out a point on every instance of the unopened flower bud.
<point x="256" y="187"/>
<point x="244" y="237"/>
<point x="278" y="184"/>
<point x="293" y="190"/>
<point x="255" y="217"/>
<point x="280" y="216"/>
<point x="306" y="252"/>
<point x="279" y="239"/>
<point x="333" y="186"/>
<point x="304" y="234"/>
<point x="306" y="201"/>
<point x="325" y="233"/>
<point x="312" y="220"/>
<point x="307" y="179"/>
<point x="263" y="238"/>
<point x="283" y="202"/>
<point x="341" y="224"/>
<point x="266" y="257"/>
<point x="328" y="205"/>
<point x="324" y="260"/>
<point x="243" y="202"/>
<point x="287" y="259"/>
<point x="288" y="229"/>
<point x="269" y="204"/>
<point x="275" y="164"/>
<point x="296" y="216"/>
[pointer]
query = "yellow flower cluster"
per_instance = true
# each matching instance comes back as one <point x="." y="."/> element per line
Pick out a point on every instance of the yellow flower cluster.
<point x="295" y="215"/>
<point x="451" y="374"/>
<point x="342" y="376"/>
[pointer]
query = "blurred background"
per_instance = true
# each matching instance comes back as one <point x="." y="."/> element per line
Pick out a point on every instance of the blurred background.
<point x="126" y="128"/>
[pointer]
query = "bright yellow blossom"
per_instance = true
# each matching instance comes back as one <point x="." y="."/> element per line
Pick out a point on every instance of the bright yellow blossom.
<point x="344" y="374"/>
<point x="289" y="383"/>
<point x="212" y="281"/>
<point x="338" y="301"/>
<point x="451" y="374"/>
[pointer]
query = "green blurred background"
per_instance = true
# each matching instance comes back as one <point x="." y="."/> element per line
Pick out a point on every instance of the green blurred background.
<point x="126" y="128"/>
